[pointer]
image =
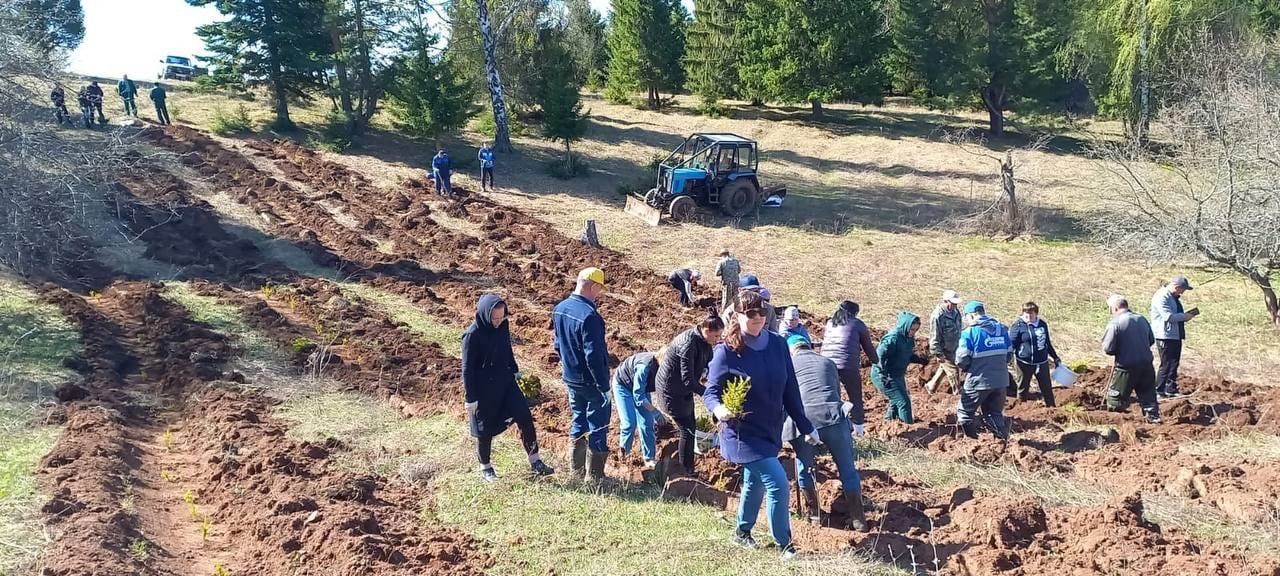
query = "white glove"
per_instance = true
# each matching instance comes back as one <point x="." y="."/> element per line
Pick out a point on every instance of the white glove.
<point x="812" y="439"/>
<point x="859" y="430"/>
<point x="721" y="413"/>
<point x="519" y="374"/>
<point x="846" y="409"/>
<point x="471" y="407"/>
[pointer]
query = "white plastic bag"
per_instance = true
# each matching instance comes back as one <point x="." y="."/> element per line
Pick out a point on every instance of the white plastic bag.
<point x="1063" y="377"/>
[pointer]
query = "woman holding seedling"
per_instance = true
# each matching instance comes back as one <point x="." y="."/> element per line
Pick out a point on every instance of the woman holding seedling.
<point x="679" y="377"/>
<point x="489" y="374"/>
<point x="889" y="375"/>
<point x="752" y="389"/>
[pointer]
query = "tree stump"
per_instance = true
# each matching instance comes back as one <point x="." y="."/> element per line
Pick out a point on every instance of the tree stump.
<point x="589" y="236"/>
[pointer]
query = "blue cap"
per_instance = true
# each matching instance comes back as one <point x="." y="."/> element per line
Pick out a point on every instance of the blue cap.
<point x="796" y="339"/>
<point x="748" y="281"/>
<point x="974" y="306"/>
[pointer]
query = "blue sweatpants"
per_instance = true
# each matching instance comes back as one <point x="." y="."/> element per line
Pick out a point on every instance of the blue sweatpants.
<point x="590" y="408"/>
<point x="632" y="417"/>
<point x="838" y="438"/>
<point x="765" y="480"/>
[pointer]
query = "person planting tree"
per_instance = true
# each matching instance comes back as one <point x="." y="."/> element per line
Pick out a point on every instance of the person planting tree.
<point x="683" y="280"/>
<point x="844" y="341"/>
<point x="819" y="382"/>
<point x="633" y="385"/>
<point x="1128" y="340"/>
<point x="754" y="364"/>
<point x="493" y="398"/>
<point x="896" y="352"/>
<point x="984" y="356"/>
<point x="679" y="377"/>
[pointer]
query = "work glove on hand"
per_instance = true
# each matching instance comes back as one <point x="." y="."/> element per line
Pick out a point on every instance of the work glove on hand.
<point x="472" y="407"/>
<point x="846" y="409"/>
<point x="721" y="413"/>
<point x="812" y="439"/>
<point x="859" y="430"/>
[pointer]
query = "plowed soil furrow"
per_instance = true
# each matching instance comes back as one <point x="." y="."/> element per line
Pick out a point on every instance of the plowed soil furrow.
<point x="204" y="474"/>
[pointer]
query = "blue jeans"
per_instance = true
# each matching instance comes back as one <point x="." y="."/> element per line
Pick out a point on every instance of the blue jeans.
<point x="765" y="480"/>
<point x="442" y="182"/>
<point x="590" y="415"/>
<point x="838" y="438"/>
<point x="631" y="416"/>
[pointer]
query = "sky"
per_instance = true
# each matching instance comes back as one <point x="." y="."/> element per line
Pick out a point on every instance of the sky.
<point x="132" y="36"/>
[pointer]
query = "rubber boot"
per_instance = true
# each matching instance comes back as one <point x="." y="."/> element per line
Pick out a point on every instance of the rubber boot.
<point x="857" y="517"/>
<point x="812" y="505"/>
<point x="595" y="471"/>
<point x="999" y="426"/>
<point x="970" y="429"/>
<point x="579" y="457"/>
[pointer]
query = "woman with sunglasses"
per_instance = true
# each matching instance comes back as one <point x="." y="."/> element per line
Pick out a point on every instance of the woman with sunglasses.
<point x="751" y="434"/>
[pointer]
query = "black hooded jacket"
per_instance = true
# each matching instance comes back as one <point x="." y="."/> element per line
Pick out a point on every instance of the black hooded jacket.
<point x="489" y="371"/>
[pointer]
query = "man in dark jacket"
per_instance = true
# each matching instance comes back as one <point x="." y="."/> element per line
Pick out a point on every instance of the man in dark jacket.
<point x="128" y="91"/>
<point x="679" y="377"/>
<point x="1032" y="350"/>
<point x="1169" y="323"/>
<point x="95" y="100"/>
<point x="819" y="383"/>
<point x="584" y="362"/>
<point x="944" y="337"/>
<point x="158" y="96"/>
<point x="441" y="171"/>
<point x="59" y="98"/>
<point x="1128" y="339"/>
<point x="493" y="398"/>
<point x="983" y="355"/>
<point x="683" y="280"/>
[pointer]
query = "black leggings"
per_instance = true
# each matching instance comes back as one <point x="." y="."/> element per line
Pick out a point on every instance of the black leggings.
<point x="1041" y="374"/>
<point x="528" y="437"/>
<point x="682" y="415"/>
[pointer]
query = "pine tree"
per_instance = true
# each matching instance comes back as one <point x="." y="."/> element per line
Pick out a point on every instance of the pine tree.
<point x="50" y="24"/>
<point x="360" y="35"/>
<point x="562" y="116"/>
<point x="815" y="51"/>
<point x="714" y="48"/>
<point x="428" y="98"/>
<point x="642" y="45"/>
<point x="584" y="35"/>
<point x="279" y="43"/>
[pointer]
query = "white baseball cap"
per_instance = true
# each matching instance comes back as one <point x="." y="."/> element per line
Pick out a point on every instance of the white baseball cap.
<point x="952" y="297"/>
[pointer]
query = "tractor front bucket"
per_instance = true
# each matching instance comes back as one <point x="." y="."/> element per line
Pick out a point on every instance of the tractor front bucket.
<point x="637" y="207"/>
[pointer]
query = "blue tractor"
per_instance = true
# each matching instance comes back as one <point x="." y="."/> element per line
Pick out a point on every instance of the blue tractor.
<point x="706" y="170"/>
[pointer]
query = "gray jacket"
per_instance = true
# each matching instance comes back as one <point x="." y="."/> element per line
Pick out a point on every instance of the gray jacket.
<point x="727" y="271"/>
<point x="1167" y="317"/>
<point x="819" y="389"/>
<point x="1129" y="339"/>
<point x="846" y="344"/>
<point x="945" y="326"/>
<point x="984" y="354"/>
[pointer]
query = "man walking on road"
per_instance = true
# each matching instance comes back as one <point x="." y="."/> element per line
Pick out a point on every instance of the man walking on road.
<point x="727" y="271"/>
<point x="441" y="169"/>
<point x="128" y="91"/>
<point x="584" y="361"/>
<point x="984" y="353"/>
<point x="1168" y="322"/>
<point x="486" y="166"/>
<point x="945" y="325"/>
<point x="158" y="96"/>
<point x="1129" y="338"/>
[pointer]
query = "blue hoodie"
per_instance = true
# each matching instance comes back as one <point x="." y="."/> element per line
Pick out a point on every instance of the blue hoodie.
<point x="984" y="354"/>
<point x="441" y="163"/>
<point x="486" y="157"/>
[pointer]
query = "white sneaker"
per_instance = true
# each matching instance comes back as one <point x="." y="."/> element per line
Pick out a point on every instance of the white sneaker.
<point x="649" y="465"/>
<point x="789" y="553"/>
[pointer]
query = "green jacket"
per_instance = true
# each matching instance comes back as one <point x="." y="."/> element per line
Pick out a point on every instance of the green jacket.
<point x="896" y="351"/>
<point x="127" y="88"/>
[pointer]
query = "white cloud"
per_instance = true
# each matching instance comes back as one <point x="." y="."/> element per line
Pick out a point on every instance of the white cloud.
<point x="132" y="36"/>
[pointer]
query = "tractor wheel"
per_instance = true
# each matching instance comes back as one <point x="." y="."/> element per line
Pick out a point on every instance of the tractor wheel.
<point x="683" y="208"/>
<point x="738" y="198"/>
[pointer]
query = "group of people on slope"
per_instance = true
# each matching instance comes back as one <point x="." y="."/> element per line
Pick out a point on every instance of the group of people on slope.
<point x="795" y="384"/>
<point x="90" y="98"/>
<point x="442" y="170"/>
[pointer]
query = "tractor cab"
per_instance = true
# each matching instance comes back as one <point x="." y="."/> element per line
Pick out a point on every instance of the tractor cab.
<point x="706" y="170"/>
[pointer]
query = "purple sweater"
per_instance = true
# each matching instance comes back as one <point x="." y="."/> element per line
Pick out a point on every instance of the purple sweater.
<point x="773" y="396"/>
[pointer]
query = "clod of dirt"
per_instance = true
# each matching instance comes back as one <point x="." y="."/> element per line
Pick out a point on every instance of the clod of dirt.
<point x="1001" y="523"/>
<point x="694" y="490"/>
<point x="353" y="489"/>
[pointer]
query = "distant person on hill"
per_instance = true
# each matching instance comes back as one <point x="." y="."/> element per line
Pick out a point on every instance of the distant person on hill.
<point x="633" y="385"/>
<point x="895" y="353"/>
<point x="584" y="364"/>
<point x="493" y="398"/>
<point x="59" y="98"/>
<point x="128" y="91"/>
<point x="158" y="96"/>
<point x="1169" y="322"/>
<point x="95" y="100"/>
<point x="680" y="373"/>
<point x="751" y="430"/>
<point x="441" y="170"/>
<point x="683" y="280"/>
<point x="819" y="382"/>
<point x="791" y="323"/>
<point x="1128" y="339"/>
<point x="984" y="356"/>
<point x="944" y="337"/>
<point x="486" y="166"/>
<point x="1032" y="350"/>
<point x="727" y="270"/>
<point x="845" y="339"/>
